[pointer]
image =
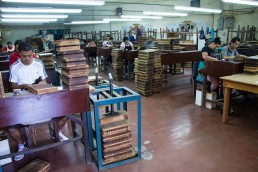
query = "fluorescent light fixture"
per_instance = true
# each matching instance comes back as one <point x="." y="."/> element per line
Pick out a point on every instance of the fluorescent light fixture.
<point x="33" y="16"/>
<point x="141" y="17"/>
<point x="67" y="2"/>
<point x="40" y="10"/>
<point x="245" y="2"/>
<point x="209" y="10"/>
<point x="164" y="13"/>
<point x="119" y="19"/>
<point x="87" y="22"/>
<point x="28" y="20"/>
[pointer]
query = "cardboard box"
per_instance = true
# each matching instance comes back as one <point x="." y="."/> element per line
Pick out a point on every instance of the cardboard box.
<point x="5" y="148"/>
<point x="209" y="96"/>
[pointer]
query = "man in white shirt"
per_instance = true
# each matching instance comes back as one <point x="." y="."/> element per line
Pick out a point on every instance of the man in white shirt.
<point x="24" y="72"/>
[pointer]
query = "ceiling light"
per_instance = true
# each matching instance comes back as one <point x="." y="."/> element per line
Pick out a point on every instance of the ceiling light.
<point x="117" y="19"/>
<point x="164" y="13"/>
<point x="87" y="22"/>
<point x="141" y="17"/>
<point x="28" y="20"/>
<point x="68" y="2"/>
<point x="40" y="10"/>
<point x="33" y="16"/>
<point x="184" y="8"/>
<point x="245" y="2"/>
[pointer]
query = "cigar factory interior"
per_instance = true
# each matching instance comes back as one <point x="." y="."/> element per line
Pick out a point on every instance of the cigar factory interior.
<point x="128" y="86"/>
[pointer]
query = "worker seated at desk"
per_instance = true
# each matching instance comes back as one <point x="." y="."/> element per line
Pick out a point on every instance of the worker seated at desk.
<point x="208" y="53"/>
<point x="15" y="55"/>
<point x="49" y="46"/>
<point x="9" y="47"/>
<point x="230" y="51"/>
<point x="149" y="43"/>
<point x="26" y="71"/>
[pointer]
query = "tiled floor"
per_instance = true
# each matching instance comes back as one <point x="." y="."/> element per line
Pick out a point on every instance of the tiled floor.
<point x="182" y="137"/>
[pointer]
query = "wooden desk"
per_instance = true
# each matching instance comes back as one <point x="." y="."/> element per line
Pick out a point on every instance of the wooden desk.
<point x="4" y="65"/>
<point x="129" y="56"/>
<point x="32" y="107"/>
<point x="179" y="57"/>
<point x="218" y="69"/>
<point x="245" y="82"/>
<point x="105" y="52"/>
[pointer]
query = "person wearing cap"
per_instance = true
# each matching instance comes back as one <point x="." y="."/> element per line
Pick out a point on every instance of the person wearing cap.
<point x="149" y="43"/>
<point x="49" y="45"/>
<point x="9" y="47"/>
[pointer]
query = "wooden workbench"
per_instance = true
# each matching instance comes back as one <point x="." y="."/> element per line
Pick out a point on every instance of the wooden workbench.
<point x="28" y="107"/>
<point x="245" y="82"/>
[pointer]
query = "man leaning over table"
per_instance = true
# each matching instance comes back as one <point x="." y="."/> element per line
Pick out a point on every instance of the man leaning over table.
<point x="24" y="72"/>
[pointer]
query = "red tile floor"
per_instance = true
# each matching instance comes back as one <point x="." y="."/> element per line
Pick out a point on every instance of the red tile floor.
<point x="182" y="137"/>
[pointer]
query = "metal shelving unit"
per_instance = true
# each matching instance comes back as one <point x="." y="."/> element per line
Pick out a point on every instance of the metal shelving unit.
<point x="102" y="97"/>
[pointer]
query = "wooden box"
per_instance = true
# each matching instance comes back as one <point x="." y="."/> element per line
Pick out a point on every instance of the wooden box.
<point x="42" y="88"/>
<point x="36" y="165"/>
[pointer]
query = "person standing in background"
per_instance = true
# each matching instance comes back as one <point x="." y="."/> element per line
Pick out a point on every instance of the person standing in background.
<point x="130" y="36"/>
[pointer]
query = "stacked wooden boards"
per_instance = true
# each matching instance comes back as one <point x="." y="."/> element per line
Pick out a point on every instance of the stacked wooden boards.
<point x="145" y="71"/>
<point x="164" y="44"/>
<point x="141" y="40"/>
<point x="116" y="137"/>
<point x="135" y="71"/>
<point x="1" y="87"/>
<point x="117" y="64"/>
<point x="74" y="69"/>
<point x="48" y="60"/>
<point x="173" y="35"/>
<point x="251" y="65"/>
<point x="66" y="46"/>
<point x="157" y="78"/>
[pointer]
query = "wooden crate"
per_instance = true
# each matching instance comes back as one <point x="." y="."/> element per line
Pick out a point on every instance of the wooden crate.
<point x="42" y="88"/>
<point x="36" y="165"/>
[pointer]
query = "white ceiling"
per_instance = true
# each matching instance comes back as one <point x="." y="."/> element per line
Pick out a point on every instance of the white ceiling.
<point x="130" y="7"/>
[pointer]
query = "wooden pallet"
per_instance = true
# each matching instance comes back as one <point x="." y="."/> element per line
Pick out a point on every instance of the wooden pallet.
<point x="42" y="88"/>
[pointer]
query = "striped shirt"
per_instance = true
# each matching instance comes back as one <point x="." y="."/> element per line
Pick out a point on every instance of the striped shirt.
<point x="27" y="74"/>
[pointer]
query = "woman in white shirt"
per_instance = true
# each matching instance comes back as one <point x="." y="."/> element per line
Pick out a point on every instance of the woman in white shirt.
<point x="126" y="44"/>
